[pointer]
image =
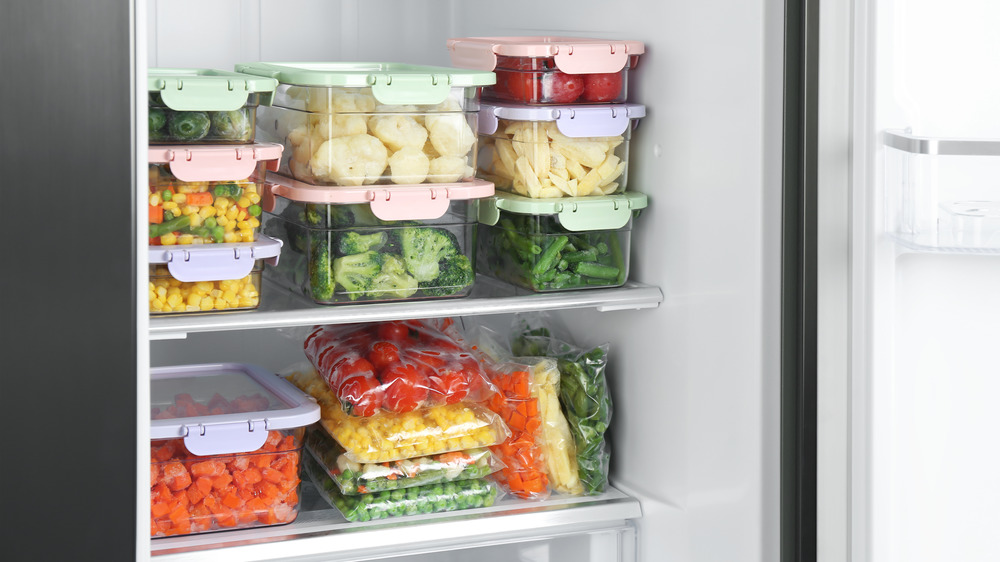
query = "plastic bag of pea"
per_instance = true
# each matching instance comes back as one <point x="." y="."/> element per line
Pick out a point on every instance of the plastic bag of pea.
<point x="430" y="498"/>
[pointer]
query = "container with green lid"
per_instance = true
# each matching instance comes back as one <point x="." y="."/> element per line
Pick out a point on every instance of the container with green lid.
<point x="557" y="245"/>
<point x="365" y="123"/>
<point x="196" y="106"/>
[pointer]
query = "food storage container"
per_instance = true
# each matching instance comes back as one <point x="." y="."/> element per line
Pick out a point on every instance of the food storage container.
<point x="352" y="124"/>
<point x="208" y="278"/>
<point x="550" y="70"/>
<point x="567" y="151"/>
<point x="557" y="245"/>
<point x="935" y="198"/>
<point x="207" y="194"/>
<point x="354" y="478"/>
<point x="205" y="106"/>
<point x="431" y="498"/>
<point x="226" y="448"/>
<point x="374" y="244"/>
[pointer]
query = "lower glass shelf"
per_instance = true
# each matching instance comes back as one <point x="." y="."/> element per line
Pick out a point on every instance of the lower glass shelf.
<point x="322" y="532"/>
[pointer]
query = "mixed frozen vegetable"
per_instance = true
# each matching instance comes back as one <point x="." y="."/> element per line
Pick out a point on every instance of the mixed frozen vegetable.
<point x="167" y="294"/>
<point x="205" y="212"/>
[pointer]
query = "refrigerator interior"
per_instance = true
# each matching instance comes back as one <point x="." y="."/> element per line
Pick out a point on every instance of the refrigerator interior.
<point x="694" y="378"/>
<point x="926" y="458"/>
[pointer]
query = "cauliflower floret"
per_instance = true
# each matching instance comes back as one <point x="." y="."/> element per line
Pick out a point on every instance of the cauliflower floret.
<point x="451" y="135"/>
<point x="340" y="101"/>
<point x="398" y="131"/>
<point x="333" y="125"/>
<point x="351" y="160"/>
<point x="410" y="110"/>
<point x="447" y="169"/>
<point x="409" y="165"/>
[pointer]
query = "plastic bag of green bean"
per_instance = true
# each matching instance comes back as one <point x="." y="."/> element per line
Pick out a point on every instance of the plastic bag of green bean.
<point x="430" y="498"/>
<point x="355" y="478"/>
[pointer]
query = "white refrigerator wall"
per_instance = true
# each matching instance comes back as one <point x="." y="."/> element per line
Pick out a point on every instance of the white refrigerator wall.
<point x="695" y="382"/>
<point x="932" y="458"/>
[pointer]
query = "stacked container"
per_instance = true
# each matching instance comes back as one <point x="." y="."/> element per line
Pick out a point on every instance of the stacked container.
<point x="554" y="139"/>
<point x="376" y="193"/>
<point x="206" y="178"/>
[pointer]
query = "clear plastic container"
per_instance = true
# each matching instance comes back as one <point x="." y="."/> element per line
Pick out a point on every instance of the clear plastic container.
<point x="189" y="106"/>
<point x="352" y="124"/>
<point x="560" y="245"/>
<point x="207" y="194"/>
<point x="550" y="70"/>
<point x="226" y="448"/>
<point x="935" y="196"/>
<point x="549" y="152"/>
<point x="208" y="278"/>
<point x="368" y="247"/>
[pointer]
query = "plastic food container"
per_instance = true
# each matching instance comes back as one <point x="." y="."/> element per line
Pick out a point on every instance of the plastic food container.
<point x="546" y="152"/>
<point x="550" y="70"/>
<point x="226" y="448"/>
<point x="205" y="106"/>
<point x="557" y="245"/>
<point x="367" y="478"/>
<point x="431" y="498"/>
<point x="352" y="124"/>
<point x="208" y="278"/>
<point x="368" y="244"/>
<point x="935" y="196"/>
<point x="207" y="194"/>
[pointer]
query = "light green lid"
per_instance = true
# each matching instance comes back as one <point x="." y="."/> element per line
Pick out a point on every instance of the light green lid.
<point x="196" y="89"/>
<point x="599" y="212"/>
<point x="391" y="83"/>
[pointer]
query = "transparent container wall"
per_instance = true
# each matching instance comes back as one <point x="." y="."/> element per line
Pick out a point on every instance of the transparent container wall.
<point x="537" y="80"/>
<point x="536" y="253"/>
<point x="195" y="494"/>
<point x="344" y="136"/>
<point x="168" y="126"/>
<point x="337" y="254"/>
<point x="168" y="295"/>
<point x="616" y="544"/>
<point x="943" y="202"/>
<point x="532" y="158"/>
<point x="203" y="212"/>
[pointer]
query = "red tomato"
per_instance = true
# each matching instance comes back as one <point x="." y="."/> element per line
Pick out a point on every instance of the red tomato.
<point x="361" y="395"/>
<point x="602" y="87"/>
<point x="393" y="331"/>
<point x="383" y="354"/>
<point x="480" y="387"/>
<point x="405" y="388"/>
<point x="347" y="368"/>
<point x="559" y="87"/>
<point x="449" y="386"/>
<point x="521" y="86"/>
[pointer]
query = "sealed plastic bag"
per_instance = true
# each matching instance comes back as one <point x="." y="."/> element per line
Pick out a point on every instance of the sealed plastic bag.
<point x="364" y="478"/>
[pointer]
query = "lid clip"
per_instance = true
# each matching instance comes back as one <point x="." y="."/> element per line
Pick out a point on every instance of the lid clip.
<point x="225" y="438"/>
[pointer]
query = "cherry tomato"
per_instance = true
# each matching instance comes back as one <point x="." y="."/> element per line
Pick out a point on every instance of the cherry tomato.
<point x="602" y="87"/>
<point x="351" y="366"/>
<point x="383" y="354"/>
<point x="361" y="395"/>
<point x="449" y="385"/>
<point x="521" y="85"/>
<point x="559" y="87"/>
<point x="405" y="388"/>
<point x="480" y="388"/>
<point x="394" y="331"/>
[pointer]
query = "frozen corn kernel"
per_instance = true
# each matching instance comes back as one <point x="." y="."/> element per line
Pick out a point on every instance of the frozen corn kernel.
<point x="180" y="197"/>
<point x="184" y="239"/>
<point x="231" y="237"/>
<point x="206" y="211"/>
<point x="170" y="205"/>
<point x="254" y="198"/>
<point x="154" y="199"/>
<point x="244" y="202"/>
<point x="168" y="239"/>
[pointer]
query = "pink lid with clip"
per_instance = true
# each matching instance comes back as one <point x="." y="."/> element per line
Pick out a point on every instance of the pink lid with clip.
<point x="389" y="203"/>
<point x="216" y="163"/>
<point x="572" y="55"/>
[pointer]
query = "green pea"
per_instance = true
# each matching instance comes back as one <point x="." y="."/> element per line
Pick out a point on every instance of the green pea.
<point x="254" y="210"/>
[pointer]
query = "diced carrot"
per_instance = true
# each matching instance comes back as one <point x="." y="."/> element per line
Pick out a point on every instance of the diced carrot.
<point x="519" y="385"/>
<point x="225" y="519"/>
<point x="194" y="494"/>
<point x="154" y="474"/>
<point x="161" y="492"/>
<point x="287" y="443"/>
<point x="531" y="407"/>
<point x="221" y="481"/>
<point x="532" y="425"/>
<point x="210" y="468"/>
<point x="155" y="214"/>
<point x="263" y="460"/>
<point x="233" y="501"/>
<point x="269" y="491"/>
<point x="273" y="438"/>
<point x="288" y="484"/>
<point x="159" y="509"/>
<point x="204" y="485"/>
<point x="516" y="421"/>
<point x="245" y="516"/>
<point x="179" y="514"/>
<point x="267" y="517"/>
<point x="271" y="475"/>
<point x="293" y="496"/>
<point x="240" y="463"/>
<point x="163" y="452"/>
<point x="291" y="469"/>
<point x="253" y="475"/>
<point x="176" y="476"/>
<point x="200" y="199"/>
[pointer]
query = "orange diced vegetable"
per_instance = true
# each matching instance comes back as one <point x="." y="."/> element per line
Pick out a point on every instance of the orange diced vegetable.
<point x="155" y="214"/>
<point x="200" y="199"/>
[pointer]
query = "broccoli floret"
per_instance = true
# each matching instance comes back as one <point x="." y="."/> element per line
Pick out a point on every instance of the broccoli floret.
<point x="346" y="216"/>
<point x="355" y="273"/>
<point x="456" y="275"/>
<point x="189" y="125"/>
<point x="392" y="280"/>
<point x="423" y="249"/>
<point x="321" y="281"/>
<point x="353" y="242"/>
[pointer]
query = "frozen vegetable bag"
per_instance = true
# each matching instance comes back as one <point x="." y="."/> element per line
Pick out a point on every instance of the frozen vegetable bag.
<point x="226" y="448"/>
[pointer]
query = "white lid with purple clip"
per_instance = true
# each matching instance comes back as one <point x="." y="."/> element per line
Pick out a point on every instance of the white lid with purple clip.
<point x="572" y="120"/>
<point x="215" y="262"/>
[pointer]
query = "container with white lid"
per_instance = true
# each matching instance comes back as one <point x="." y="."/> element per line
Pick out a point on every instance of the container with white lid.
<point x="226" y="447"/>
<point x="550" y="70"/>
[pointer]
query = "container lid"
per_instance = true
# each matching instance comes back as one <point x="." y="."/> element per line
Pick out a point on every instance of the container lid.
<point x="192" y="263"/>
<point x="215" y="162"/>
<point x="572" y="120"/>
<point x="391" y="83"/>
<point x="572" y="55"/>
<point x="198" y="89"/>
<point x="239" y="404"/>
<point x="389" y="203"/>
<point x="602" y="212"/>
